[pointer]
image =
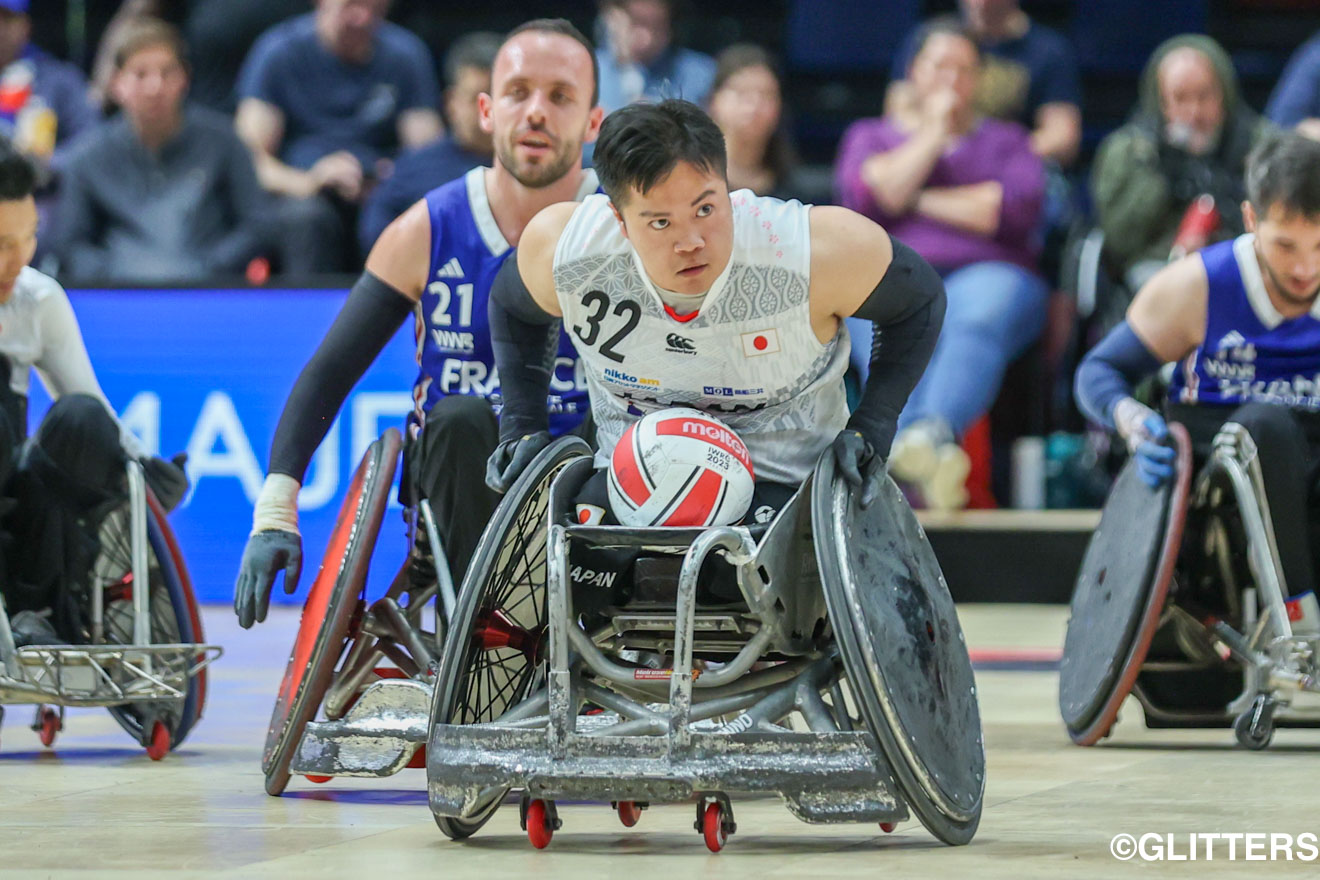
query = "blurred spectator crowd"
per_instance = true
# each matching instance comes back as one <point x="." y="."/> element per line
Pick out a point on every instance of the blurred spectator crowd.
<point x="191" y="141"/>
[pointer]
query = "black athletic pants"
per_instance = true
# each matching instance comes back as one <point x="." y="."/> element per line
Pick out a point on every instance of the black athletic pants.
<point x="56" y="487"/>
<point x="1288" y="447"/>
<point x="446" y="464"/>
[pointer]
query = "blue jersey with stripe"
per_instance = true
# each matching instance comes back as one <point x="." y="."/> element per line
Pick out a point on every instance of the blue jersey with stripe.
<point x="452" y="331"/>
<point x="1250" y="353"/>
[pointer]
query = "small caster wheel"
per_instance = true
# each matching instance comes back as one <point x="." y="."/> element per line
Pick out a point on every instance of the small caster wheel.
<point x="712" y="827"/>
<point x="541" y="823"/>
<point x="629" y="812"/>
<point x="1254" y="728"/>
<point x="48" y="725"/>
<point x="159" y="746"/>
<point x="888" y="827"/>
<point x="319" y="780"/>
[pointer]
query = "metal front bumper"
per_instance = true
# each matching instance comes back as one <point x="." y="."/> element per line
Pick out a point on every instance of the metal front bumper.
<point x="377" y="737"/>
<point x="823" y="777"/>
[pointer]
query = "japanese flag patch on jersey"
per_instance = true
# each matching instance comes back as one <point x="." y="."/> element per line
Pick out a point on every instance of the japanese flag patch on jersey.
<point x="760" y="342"/>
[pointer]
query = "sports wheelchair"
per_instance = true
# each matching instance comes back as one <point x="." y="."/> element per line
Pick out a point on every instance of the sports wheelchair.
<point x="141" y="653"/>
<point x="1180" y="602"/>
<point x="371" y="669"/>
<point x="838" y="678"/>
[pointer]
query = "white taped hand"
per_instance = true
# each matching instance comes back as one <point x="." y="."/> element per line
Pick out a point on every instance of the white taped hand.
<point x="277" y="505"/>
<point x="1131" y="420"/>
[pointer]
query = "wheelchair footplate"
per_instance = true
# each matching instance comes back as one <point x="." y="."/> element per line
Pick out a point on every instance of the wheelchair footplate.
<point x="102" y="675"/>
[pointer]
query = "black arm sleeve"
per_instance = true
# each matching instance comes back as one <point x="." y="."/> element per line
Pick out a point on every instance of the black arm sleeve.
<point x="524" y="339"/>
<point x="373" y="312"/>
<point x="907" y="309"/>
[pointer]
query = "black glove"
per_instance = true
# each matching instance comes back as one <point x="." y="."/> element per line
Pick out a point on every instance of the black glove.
<point x="167" y="479"/>
<point x="511" y="458"/>
<point x="859" y="464"/>
<point x="266" y="553"/>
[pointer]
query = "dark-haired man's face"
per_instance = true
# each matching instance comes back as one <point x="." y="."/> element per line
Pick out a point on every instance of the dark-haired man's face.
<point x="1288" y="244"/>
<point x="18" y="241"/>
<point x="539" y="112"/>
<point x="682" y="228"/>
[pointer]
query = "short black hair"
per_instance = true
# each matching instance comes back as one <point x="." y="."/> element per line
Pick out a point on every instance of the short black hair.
<point x="1284" y="169"/>
<point x="18" y="176"/>
<point x="946" y="25"/>
<point x="476" y="50"/>
<point x="641" y="143"/>
<point x="564" y="27"/>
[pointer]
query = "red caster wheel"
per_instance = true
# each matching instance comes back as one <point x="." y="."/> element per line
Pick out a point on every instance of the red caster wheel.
<point x="159" y="746"/>
<point x="888" y="827"/>
<point x="629" y="812"/>
<point x="319" y="780"/>
<point x="48" y="726"/>
<point x="540" y="827"/>
<point x="712" y="827"/>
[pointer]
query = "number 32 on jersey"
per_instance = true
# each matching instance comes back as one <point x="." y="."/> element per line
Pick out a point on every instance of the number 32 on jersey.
<point x="599" y="304"/>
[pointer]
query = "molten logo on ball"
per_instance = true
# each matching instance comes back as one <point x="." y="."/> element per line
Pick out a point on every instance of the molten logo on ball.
<point x="680" y="467"/>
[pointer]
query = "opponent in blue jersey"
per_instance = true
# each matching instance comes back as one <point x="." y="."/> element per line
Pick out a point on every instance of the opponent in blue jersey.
<point x="1241" y="321"/>
<point x="453" y="337"/>
<point x="436" y="262"/>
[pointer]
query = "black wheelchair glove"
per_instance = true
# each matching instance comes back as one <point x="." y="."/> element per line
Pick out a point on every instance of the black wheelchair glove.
<point x="512" y="457"/>
<point x="266" y="553"/>
<point x="167" y="479"/>
<point x="859" y="464"/>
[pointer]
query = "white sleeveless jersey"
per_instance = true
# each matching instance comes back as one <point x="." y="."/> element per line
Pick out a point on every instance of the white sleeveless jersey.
<point x="38" y="331"/>
<point x="749" y="357"/>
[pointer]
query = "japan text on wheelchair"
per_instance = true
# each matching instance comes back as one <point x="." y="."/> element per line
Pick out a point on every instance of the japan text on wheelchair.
<point x="140" y="651"/>
<point x="1180" y="602"/>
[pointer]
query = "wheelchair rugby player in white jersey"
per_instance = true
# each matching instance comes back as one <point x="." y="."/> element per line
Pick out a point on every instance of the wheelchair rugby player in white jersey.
<point x="678" y="293"/>
<point x="708" y="318"/>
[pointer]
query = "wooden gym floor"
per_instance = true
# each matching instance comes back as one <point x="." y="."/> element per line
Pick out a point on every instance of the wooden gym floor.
<point x="96" y="806"/>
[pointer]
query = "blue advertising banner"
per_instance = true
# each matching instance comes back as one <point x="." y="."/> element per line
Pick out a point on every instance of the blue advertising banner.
<point x="207" y="372"/>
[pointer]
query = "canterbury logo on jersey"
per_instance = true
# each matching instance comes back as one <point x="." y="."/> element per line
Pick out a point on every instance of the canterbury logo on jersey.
<point x="452" y="269"/>
<point x="679" y="344"/>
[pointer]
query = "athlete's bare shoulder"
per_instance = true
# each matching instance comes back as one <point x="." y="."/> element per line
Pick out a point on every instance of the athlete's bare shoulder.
<point x="1168" y="313"/>
<point x="402" y="254"/>
<point x="849" y="255"/>
<point x="536" y="252"/>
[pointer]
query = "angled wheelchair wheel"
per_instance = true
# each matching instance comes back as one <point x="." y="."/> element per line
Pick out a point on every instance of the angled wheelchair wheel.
<point x="332" y="602"/>
<point x="159" y="725"/>
<point x="495" y="648"/>
<point x="902" y="650"/>
<point x="1121" y="591"/>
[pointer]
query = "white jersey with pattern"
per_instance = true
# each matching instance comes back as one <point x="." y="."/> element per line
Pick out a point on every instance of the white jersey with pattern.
<point x="749" y="357"/>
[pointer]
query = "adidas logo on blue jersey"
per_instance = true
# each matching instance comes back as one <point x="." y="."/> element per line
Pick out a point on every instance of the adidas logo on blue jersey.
<point x="452" y="269"/>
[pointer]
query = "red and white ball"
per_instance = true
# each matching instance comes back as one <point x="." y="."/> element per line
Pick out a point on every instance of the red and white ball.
<point x="680" y="467"/>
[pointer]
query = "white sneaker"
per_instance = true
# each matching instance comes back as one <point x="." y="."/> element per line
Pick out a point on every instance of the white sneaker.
<point x="913" y="457"/>
<point x="1304" y="614"/>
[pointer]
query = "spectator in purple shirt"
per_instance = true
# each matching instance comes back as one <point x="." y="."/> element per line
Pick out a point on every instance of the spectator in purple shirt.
<point x="965" y="193"/>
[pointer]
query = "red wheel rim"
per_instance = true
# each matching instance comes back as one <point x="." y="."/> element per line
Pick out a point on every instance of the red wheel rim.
<point x="888" y="827"/>
<point x="713" y="827"/>
<point x="629" y="813"/>
<point x="319" y="780"/>
<point x="160" y="741"/>
<point x="50" y="726"/>
<point x="539" y="831"/>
